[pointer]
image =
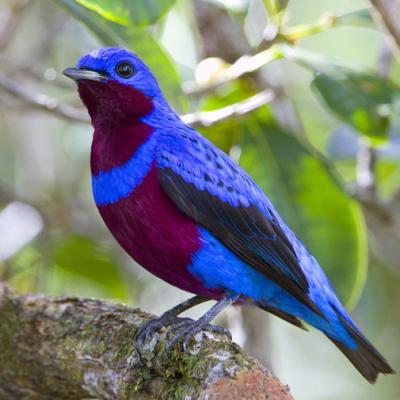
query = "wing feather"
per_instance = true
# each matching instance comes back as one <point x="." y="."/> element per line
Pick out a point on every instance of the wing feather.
<point x="229" y="204"/>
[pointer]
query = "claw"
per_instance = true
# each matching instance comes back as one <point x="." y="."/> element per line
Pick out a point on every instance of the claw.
<point x="148" y="329"/>
<point x="187" y="327"/>
<point x="191" y="329"/>
<point x="169" y="317"/>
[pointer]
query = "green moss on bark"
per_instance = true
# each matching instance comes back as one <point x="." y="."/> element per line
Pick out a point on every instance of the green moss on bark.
<point x="67" y="348"/>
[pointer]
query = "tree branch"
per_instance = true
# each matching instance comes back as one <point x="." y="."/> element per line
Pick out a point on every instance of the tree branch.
<point x="197" y="119"/>
<point x="244" y="65"/>
<point x="207" y="118"/>
<point x="69" y="348"/>
<point x="389" y="14"/>
<point x="18" y="67"/>
<point x="43" y="102"/>
<point x="366" y="181"/>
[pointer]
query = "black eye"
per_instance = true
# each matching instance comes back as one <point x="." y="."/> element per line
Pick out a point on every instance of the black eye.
<point x="125" y="70"/>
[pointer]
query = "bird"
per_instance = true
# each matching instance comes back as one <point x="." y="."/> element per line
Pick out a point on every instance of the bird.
<point x="186" y="212"/>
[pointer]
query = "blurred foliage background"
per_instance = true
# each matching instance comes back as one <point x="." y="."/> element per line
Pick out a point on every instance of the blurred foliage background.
<point x="303" y="94"/>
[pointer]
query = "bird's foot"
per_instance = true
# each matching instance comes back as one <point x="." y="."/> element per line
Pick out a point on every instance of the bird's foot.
<point x="188" y="328"/>
<point x="148" y="329"/>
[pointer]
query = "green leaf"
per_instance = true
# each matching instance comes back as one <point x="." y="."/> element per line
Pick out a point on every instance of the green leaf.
<point x="82" y="257"/>
<point x="361" y="100"/>
<point x="275" y="6"/>
<point x="126" y="12"/>
<point x="361" y="18"/>
<point x="357" y="96"/>
<point x="310" y="200"/>
<point x="388" y="177"/>
<point x="141" y="42"/>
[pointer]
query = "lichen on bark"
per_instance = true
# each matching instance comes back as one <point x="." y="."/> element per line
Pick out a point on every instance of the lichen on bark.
<point x="70" y="348"/>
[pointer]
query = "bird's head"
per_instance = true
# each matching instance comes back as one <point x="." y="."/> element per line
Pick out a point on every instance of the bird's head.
<point x="115" y="85"/>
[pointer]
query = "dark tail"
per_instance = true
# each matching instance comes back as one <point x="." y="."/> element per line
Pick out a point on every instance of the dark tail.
<point x="364" y="357"/>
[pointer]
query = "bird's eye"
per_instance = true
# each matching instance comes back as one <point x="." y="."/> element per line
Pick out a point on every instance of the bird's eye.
<point x="125" y="70"/>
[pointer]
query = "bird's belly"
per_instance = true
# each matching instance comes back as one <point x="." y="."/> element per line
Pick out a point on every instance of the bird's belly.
<point x="156" y="234"/>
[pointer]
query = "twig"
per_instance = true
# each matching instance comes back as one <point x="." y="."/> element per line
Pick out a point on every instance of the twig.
<point x="366" y="159"/>
<point x="69" y="348"/>
<point x="197" y="119"/>
<point x="43" y="102"/>
<point x="207" y="118"/>
<point x="34" y="72"/>
<point x="365" y="190"/>
<point x="389" y="14"/>
<point x="244" y="65"/>
<point x="214" y="26"/>
<point x="385" y="59"/>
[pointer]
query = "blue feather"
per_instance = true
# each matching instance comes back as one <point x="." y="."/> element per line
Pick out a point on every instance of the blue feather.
<point x="114" y="185"/>
<point x="246" y="247"/>
<point x="218" y="267"/>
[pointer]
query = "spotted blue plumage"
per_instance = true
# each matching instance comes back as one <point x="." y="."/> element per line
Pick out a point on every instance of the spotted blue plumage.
<point x="194" y="158"/>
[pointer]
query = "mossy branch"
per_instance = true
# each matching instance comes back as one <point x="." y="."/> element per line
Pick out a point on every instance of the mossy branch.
<point x="70" y="348"/>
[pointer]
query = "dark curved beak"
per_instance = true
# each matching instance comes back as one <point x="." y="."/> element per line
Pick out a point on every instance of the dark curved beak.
<point x="77" y="74"/>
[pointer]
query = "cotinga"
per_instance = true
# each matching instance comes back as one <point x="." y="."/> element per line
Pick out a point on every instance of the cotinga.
<point x="188" y="214"/>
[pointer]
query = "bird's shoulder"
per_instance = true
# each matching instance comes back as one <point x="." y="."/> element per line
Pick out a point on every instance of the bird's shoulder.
<point x="199" y="162"/>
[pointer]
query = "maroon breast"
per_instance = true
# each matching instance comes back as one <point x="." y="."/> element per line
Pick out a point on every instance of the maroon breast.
<point x="156" y="234"/>
<point x="145" y="223"/>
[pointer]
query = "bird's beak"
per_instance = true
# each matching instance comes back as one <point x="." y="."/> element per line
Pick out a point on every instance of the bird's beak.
<point x="77" y="74"/>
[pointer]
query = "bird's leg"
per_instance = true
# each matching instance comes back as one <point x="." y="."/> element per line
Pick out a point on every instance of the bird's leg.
<point x="151" y="326"/>
<point x="190" y="328"/>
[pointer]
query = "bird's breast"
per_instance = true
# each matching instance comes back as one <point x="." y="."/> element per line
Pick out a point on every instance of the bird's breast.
<point x="155" y="233"/>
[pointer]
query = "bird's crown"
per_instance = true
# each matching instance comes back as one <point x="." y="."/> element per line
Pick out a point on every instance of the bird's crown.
<point x="121" y="66"/>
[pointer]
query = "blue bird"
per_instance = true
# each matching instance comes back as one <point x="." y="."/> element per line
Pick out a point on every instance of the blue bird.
<point x="188" y="214"/>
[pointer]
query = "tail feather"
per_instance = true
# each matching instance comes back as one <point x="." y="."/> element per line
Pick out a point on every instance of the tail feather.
<point x="364" y="357"/>
<point x="281" y="314"/>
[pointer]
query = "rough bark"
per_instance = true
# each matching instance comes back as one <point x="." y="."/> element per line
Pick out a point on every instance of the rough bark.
<point x="70" y="348"/>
